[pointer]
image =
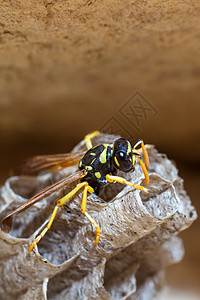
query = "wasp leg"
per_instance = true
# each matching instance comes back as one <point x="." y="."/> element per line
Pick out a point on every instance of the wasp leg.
<point x="60" y="202"/>
<point x="146" y="157"/>
<point x="83" y="209"/>
<point x="146" y="175"/>
<point x="88" y="138"/>
<point x="111" y="178"/>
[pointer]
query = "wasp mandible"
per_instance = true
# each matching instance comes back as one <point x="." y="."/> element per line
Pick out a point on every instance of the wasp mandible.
<point x="96" y="168"/>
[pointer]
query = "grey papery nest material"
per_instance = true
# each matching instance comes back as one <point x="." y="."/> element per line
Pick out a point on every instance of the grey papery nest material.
<point x="138" y="236"/>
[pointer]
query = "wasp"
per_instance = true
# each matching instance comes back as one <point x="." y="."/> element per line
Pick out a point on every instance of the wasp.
<point x="97" y="167"/>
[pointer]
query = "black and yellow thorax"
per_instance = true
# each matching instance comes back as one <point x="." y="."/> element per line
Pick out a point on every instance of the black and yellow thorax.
<point x="98" y="162"/>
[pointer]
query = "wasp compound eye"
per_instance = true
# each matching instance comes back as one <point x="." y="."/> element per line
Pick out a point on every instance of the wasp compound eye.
<point x="121" y="154"/>
<point x="123" y="162"/>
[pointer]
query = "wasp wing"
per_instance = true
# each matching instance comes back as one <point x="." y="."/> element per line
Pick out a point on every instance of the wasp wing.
<point x="7" y="221"/>
<point x="41" y="162"/>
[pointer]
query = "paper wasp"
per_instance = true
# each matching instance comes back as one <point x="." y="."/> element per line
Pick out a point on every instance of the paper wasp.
<point x="96" y="168"/>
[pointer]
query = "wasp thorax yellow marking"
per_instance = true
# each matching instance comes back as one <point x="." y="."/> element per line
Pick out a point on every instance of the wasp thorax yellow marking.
<point x="93" y="160"/>
<point x="80" y="163"/>
<point x="97" y="174"/>
<point x="93" y="154"/>
<point x="88" y="168"/>
<point x="102" y="156"/>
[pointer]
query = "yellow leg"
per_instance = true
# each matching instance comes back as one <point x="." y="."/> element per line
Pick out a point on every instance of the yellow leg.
<point x="111" y="178"/>
<point x="83" y="209"/>
<point x="89" y="137"/>
<point x="146" y="157"/>
<point x="44" y="230"/>
<point x="60" y="202"/>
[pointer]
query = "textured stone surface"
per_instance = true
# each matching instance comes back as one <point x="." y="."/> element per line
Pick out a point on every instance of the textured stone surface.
<point x="72" y="64"/>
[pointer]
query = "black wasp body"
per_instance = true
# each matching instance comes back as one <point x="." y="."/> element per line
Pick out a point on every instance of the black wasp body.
<point x="106" y="159"/>
<point x="97" y="168"/>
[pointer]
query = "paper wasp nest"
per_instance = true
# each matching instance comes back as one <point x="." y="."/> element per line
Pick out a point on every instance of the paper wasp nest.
<point x="138" y="236"/>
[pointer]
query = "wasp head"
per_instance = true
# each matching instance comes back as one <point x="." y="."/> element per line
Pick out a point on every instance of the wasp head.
<point x="122" y="155"/>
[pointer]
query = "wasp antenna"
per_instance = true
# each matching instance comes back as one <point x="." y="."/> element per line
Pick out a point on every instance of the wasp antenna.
<point x="136" y="153"/>
<point x="143" y="166"/>
<point x="144" y="169"/>
<point x="146" y="157"/>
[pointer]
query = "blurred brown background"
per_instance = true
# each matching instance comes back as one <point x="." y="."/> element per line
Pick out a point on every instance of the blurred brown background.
<point x="127" y="67"/>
